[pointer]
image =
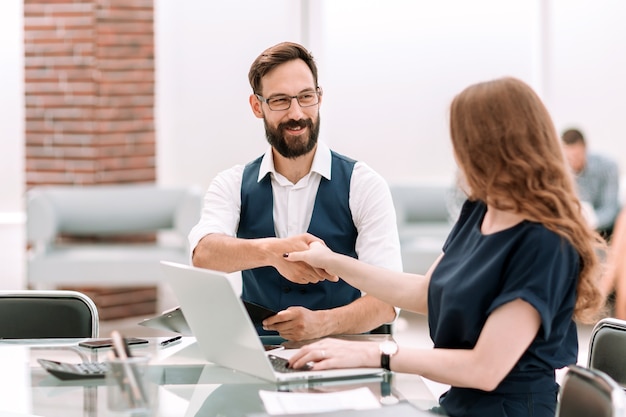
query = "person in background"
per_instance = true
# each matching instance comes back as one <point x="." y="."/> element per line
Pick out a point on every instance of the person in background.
<point x="254" y="213"/>
<point x="519" y="266"/>
<point x="614" y="280"/>
<point x="597" y="178"/>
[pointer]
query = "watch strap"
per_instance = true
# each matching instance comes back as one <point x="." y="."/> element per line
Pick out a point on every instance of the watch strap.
<point x="385" y="361"/>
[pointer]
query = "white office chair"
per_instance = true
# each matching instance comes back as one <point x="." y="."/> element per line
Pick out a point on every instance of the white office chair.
<point x="590" y="393"/>
<point x="33" y="314"/>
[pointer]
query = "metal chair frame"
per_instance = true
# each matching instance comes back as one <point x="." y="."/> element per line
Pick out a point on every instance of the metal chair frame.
<point x="590" y="393"/>
<point x="607" y="344"/>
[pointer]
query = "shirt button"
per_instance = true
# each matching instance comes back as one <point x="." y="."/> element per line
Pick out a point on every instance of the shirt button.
<point x="302" y="291"/>
<point x="286" y="290"/>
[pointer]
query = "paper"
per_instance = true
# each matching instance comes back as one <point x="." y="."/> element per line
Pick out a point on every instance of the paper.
<point x="300" y="402"/>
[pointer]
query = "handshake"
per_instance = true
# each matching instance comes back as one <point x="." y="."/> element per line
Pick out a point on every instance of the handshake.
<point x="307" y="260"/>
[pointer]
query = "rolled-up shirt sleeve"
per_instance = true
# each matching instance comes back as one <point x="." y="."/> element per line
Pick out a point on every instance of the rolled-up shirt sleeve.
<point x="221" y="207"/>
<point x="374" y="216"/>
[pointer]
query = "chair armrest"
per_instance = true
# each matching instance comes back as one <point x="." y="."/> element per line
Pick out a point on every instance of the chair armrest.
<point x="41" y="220"/>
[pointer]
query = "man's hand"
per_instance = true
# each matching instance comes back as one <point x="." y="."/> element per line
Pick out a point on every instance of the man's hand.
<point x="297" y="272"/>
<point x="298" y="323"/>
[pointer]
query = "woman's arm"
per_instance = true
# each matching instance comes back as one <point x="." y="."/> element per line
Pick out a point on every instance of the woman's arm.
<point x="508" y="332"/>
<point x="404" y="290"/>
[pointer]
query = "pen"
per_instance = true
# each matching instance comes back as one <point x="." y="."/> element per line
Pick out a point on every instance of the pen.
<point x="168" y="341"/>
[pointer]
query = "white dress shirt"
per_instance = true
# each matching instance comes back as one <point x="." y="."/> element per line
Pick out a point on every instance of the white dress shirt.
<point x="370" y="203"/>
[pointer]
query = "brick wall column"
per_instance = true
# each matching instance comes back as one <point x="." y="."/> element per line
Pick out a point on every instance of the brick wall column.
<point x="89" y="86"/>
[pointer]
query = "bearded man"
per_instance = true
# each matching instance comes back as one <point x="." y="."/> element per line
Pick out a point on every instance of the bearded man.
<point x="255" y="213"/>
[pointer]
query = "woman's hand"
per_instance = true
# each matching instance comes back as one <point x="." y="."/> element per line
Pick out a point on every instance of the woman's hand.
<point x="319" y="256"/>
<point x="298" y="272"/>
<point x="335" y="353"/>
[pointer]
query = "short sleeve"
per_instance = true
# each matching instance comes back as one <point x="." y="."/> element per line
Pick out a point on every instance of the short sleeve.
<point x="374" y="217"/>
<point x="543" y="271"/>
<point x="221" y="207"/>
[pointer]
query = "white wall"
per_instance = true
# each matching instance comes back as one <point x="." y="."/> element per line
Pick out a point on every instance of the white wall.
<point x="389" y="71"/>
<point x="203" y="52"/>
<point x="587" y="67"/>
<point x="11" y="106"/>
<point x="11" y="145"/>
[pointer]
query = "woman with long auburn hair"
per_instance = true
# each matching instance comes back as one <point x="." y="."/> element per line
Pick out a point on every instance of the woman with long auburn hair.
<point x="518" y="268"/>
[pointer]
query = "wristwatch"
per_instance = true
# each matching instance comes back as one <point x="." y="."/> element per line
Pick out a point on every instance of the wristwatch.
<point x="388" y="348"/>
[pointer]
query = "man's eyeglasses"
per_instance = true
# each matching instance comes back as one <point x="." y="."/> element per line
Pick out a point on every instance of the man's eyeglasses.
<point x="283" y="101"/>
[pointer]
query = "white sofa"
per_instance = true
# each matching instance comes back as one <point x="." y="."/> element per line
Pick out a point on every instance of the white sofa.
<point x="424" y="221"/>
<point x="103" y="218"/>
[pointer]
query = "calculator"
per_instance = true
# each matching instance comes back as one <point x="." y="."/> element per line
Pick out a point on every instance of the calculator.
<point x="69" y="371"/>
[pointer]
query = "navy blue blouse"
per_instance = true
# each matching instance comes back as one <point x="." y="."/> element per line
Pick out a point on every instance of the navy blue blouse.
<point x="477" y="274"/>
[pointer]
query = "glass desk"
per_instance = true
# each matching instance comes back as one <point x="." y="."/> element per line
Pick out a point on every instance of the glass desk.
<point x="187" y="384"/>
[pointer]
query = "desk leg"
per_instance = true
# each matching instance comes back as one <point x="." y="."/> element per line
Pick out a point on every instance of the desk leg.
<point x="90" y="401"/>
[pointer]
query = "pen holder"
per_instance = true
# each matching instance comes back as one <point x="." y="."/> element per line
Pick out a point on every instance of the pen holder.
<point x="129" y="387"/>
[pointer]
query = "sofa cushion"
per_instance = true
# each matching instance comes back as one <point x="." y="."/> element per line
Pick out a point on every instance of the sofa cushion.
<point x="88" y="235"/>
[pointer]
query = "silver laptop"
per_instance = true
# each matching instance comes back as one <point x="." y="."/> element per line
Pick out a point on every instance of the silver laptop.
<point x="223" y="330"/>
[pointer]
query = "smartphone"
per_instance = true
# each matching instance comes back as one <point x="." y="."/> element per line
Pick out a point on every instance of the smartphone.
<point x="257" y="313"/>
<point x="108" y="342"/>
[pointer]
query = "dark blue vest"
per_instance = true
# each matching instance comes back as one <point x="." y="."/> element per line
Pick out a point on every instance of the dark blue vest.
<point x="331" y="221"/>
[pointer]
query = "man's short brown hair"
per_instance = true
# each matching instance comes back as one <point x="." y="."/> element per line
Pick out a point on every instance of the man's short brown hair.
<point x="276" y="55"/>
<point x="573" y="136"/>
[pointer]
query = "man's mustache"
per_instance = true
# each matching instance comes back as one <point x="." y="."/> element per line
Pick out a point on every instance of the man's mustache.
<point x="291" y="124"/>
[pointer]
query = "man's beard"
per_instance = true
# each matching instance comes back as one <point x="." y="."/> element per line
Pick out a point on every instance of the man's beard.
<point x="295" y="146"/>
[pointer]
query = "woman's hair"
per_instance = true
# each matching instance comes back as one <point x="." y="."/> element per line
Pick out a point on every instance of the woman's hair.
<point x="506" y="144"/>
<point x="276" y="55"/>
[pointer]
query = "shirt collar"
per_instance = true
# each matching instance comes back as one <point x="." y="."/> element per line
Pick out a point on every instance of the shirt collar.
<point x="321" y="162"/>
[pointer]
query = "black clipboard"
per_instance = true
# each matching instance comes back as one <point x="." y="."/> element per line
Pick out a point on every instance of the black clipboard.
<point x="257" y="312"/>
<point x="173" y="320"/>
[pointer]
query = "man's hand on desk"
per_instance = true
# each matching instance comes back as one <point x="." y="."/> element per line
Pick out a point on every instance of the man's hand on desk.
<point x="298" y="323"/>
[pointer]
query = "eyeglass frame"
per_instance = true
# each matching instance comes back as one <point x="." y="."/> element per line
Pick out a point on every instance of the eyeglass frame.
<point x="318" y="92"/>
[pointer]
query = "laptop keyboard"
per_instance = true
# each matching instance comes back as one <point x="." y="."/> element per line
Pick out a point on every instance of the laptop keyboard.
<point x="282" y="365"/>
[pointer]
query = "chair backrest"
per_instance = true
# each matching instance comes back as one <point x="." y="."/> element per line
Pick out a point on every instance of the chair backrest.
<point x="607" y="346"/>
<point x="33" y="314"/>
<point x="590" y="393"/>
<point x="417" y="202"/>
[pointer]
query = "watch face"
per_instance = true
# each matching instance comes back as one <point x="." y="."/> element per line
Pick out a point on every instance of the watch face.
<point x="389" y="347"/>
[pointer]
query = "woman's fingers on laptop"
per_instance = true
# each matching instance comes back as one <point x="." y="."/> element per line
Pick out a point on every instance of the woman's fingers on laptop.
<point x="334" y="353"/>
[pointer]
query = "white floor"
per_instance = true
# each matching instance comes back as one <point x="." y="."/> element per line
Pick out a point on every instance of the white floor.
<point x="410" y="330"/>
